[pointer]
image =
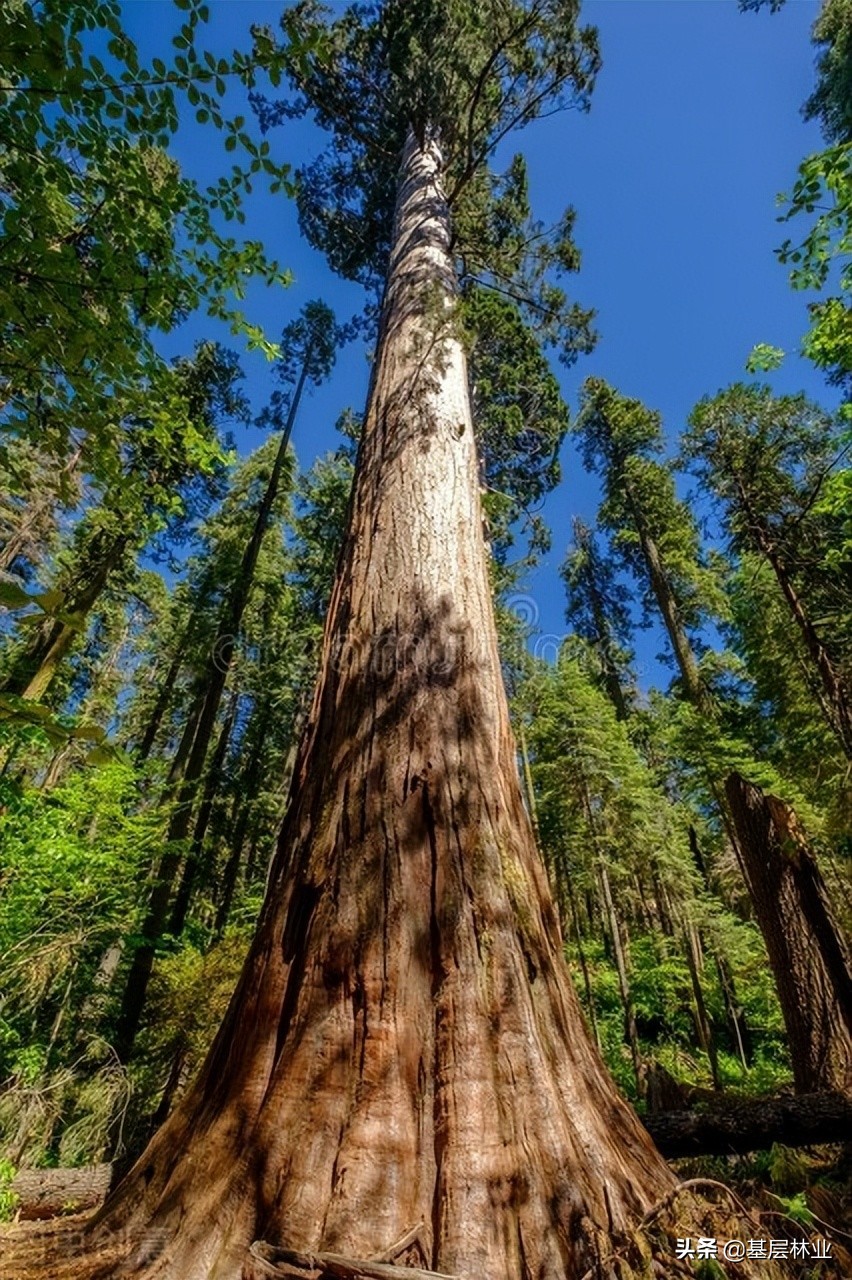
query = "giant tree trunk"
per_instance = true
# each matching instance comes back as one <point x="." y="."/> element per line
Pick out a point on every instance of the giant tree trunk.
<point x="405" y="1045"/>
<point x="809" y="956"/>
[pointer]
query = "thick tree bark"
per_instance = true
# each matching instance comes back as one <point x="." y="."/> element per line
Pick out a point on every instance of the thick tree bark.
<point x="809" y="956"/>
<point x="405" y="1044"/>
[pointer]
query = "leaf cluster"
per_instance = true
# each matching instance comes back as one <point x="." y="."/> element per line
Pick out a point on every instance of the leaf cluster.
<point x="467" y="74"/>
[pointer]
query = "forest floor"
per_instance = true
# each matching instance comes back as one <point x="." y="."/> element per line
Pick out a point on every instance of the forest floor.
<point x="783" y="1194"/>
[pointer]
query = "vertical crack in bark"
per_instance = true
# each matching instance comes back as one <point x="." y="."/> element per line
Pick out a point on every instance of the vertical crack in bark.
<point x="295" y="954"/>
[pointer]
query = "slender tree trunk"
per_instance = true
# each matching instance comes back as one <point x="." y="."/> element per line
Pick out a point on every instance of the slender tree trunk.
<point x="202" y="821"/>
<point x="35" y="669"/>
<point x="405" y="1045"/>
<point x="631" y="1034"/>
<point x="58" y="763"/>
<point x="164" y="697"/>
<point x="249" y="781"/>
<point x="809" y="956"/>
<point x="186" y="782"/>
<point x="561" y="886"/>
<point x="39" y="520"/>
<point x="737" y="1026"/>
<point x="703" y="1025"/>
<point x="529" y="789"/>
<point x="692" y="945"/>
<point x="667" y="604"/>
<point x="38" y="513"/>
<point x="581" y="957"/>
<point x="604" y="642"/>
<point x="836" y="699"/>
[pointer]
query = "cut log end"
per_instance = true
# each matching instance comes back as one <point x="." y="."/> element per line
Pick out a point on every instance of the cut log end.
<point x="50" y="1193"/>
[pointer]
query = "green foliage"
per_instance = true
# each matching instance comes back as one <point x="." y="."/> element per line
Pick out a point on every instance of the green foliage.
<point x="8" y="1199"/>
<point x="64" y="893"/>
<point x="519" y="417"/>
<point x="824" y="186"/>
<point x="780" y="712"/>
<point x="598" y="611"/>
<point x="767" y="460"/>
<point x="117" y="461"/>
<point x="467" y="73"/>
<point x="189" y="995"/>
<point x="323" y="501"/>
<point x="68" y="862"/>
<point x="831" y="100"/>
<point x="765" y="457"/>
<point x="763" y="358"/>
<point x="171" y="464"/>
<point x="772" y="5"/>
<point x="621" y="440"/>
<point x="104" y="241"/>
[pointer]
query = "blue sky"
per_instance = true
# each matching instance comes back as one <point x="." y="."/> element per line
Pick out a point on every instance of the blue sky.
<point x="695" y="127"/>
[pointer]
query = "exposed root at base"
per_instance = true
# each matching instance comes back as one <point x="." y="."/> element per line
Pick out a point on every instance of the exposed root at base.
<point x="60" y="1249"/>
<point x="268" y="1262"/>
<point x="652" y="1251"/>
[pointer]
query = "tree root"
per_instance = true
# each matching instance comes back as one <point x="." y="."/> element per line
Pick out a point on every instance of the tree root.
<point x="642" y="1252"/>
<point x="271" y="1262"/>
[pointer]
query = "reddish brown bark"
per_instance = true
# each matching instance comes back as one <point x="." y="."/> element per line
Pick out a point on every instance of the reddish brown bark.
<point x="808" y="953"/>
<point x="405" y="1044"/>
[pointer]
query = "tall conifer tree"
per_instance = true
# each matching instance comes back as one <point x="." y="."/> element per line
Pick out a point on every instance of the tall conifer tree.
<point x="405" y="1046"/>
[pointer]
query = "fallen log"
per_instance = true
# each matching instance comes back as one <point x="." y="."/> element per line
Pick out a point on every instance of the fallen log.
<point x="731" y="1127"/>
<point x="47" y="1193"/>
